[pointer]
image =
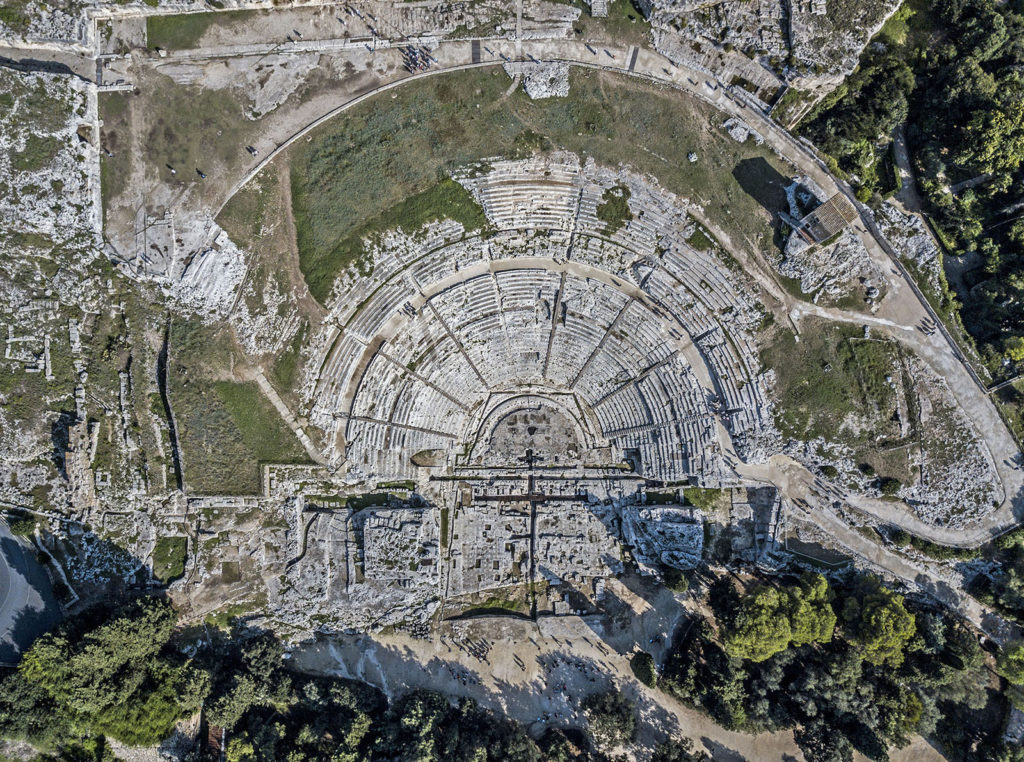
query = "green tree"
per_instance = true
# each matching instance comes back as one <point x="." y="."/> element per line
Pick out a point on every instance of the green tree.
<point x="116" y="677"/>
<point x="761" y="627"/>
<point x="612" y="718"/>
<point x="678" y="750"/>
<point x="811" y="618"/>
<point x="642" y="664"/>
<point x="881" y="624"/>
<point x="1010" y="663"/>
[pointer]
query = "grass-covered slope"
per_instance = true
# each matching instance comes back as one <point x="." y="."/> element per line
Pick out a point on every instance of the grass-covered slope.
<point x="375" y="156"/>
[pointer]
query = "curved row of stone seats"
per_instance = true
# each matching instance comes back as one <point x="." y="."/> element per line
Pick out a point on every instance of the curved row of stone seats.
<point x="664" y="406"/>
<point x="537" y="193"/>
<point x="486" y="345"/>
<point x="678" y="300"/>
<point x="528" y="203"/>
<point x="662" y="455"/>
<point x="603" y="374"/>
<point x="423" y="347"/>
<point x="731" y="378"/>
<point x="723" y="358"/>
<point x="337" y="373"/>
<point x="366" y="441"/>
<point x="623" y="412"/>
<point x="602" y="254"/>
<point x="518" y="245"/>
<point x="519" y="289"/>
<point x="423" y="407"/>
<point x="379" y="450"/>
<point x="467" y="301"/>
<point x="381" y="307"/>
<point x="650" y="219"/>
<point x="574" y="342"/>
<point x="434" y="266"/>
<point x="644" y="330"/>
<point x="377" y="390"/>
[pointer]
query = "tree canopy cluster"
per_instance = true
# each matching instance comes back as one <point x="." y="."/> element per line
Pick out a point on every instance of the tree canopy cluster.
<point x="866" y="679"/>
<point x="889" y="672"/>
<point x="770" y="619"/>
<point x="124" y="674"/>
<point x="953" y="73"/>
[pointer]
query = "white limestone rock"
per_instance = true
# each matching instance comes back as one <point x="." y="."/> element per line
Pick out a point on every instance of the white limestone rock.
<point x="211" y="279"/>
<point x="909" y="236"/>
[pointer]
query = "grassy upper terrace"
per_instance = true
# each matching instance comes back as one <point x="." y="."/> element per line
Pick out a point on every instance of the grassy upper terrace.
<point x="374" y="157"/>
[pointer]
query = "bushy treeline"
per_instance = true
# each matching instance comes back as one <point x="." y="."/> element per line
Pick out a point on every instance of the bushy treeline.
<point x="953" y="72"/>
<point x="122" y="674"/>
<point x="865" y="672"/>
<point x="131" y="673"/>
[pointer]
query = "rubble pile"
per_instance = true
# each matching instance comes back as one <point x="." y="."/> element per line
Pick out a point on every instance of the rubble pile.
<point x="832" y="269"/>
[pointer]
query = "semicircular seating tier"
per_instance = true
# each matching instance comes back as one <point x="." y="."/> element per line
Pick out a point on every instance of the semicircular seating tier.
<point x="634" y="345"/>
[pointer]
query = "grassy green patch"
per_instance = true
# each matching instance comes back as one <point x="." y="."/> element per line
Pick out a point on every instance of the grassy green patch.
<point x="183" y="31"/>
<point x="445" y="199"/>
<point x="514" y="600"/>
<point x="705" y="499"/>
<point x="287" y="363"/>
<point x="15" y="14"/>
<point x="226" y="428"/>
<point x="829" y="374"/>
<point x="388" y="149"/>
<point x="169" y="558"/>
<point x="699" y="239"/>
<point x="624" y="24"/>
<point x="39" y="151"/>
<point x="261" y="427"/>
<point x="244" y="215"/>
<point x="613" y="210"/>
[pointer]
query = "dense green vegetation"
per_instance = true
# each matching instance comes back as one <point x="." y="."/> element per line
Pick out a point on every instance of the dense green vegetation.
<point x="892" y="670"/>
<point x="446" y="199"/>
<point x="101" y="674"/>
<point x="123" y="674"/>
<point x="359" y="167"/>
<point x="951" y="72"/>
<point x="769" y="619"/>
<point x="931" y="549"/>
<point x="613" y="210"/>
<point x="865" y="680"/>
<point x="612" y="718"/>
<point x="180" y="31"/>
<point x="643" y="666"/>
<point x="1004" y="588"/>
<point x="833" y="372"/>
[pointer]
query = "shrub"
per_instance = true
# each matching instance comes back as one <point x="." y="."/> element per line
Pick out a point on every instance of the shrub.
<point x="644" y="668"/>
<point x="22" y="526"/>
<point x="675" y="580"/>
